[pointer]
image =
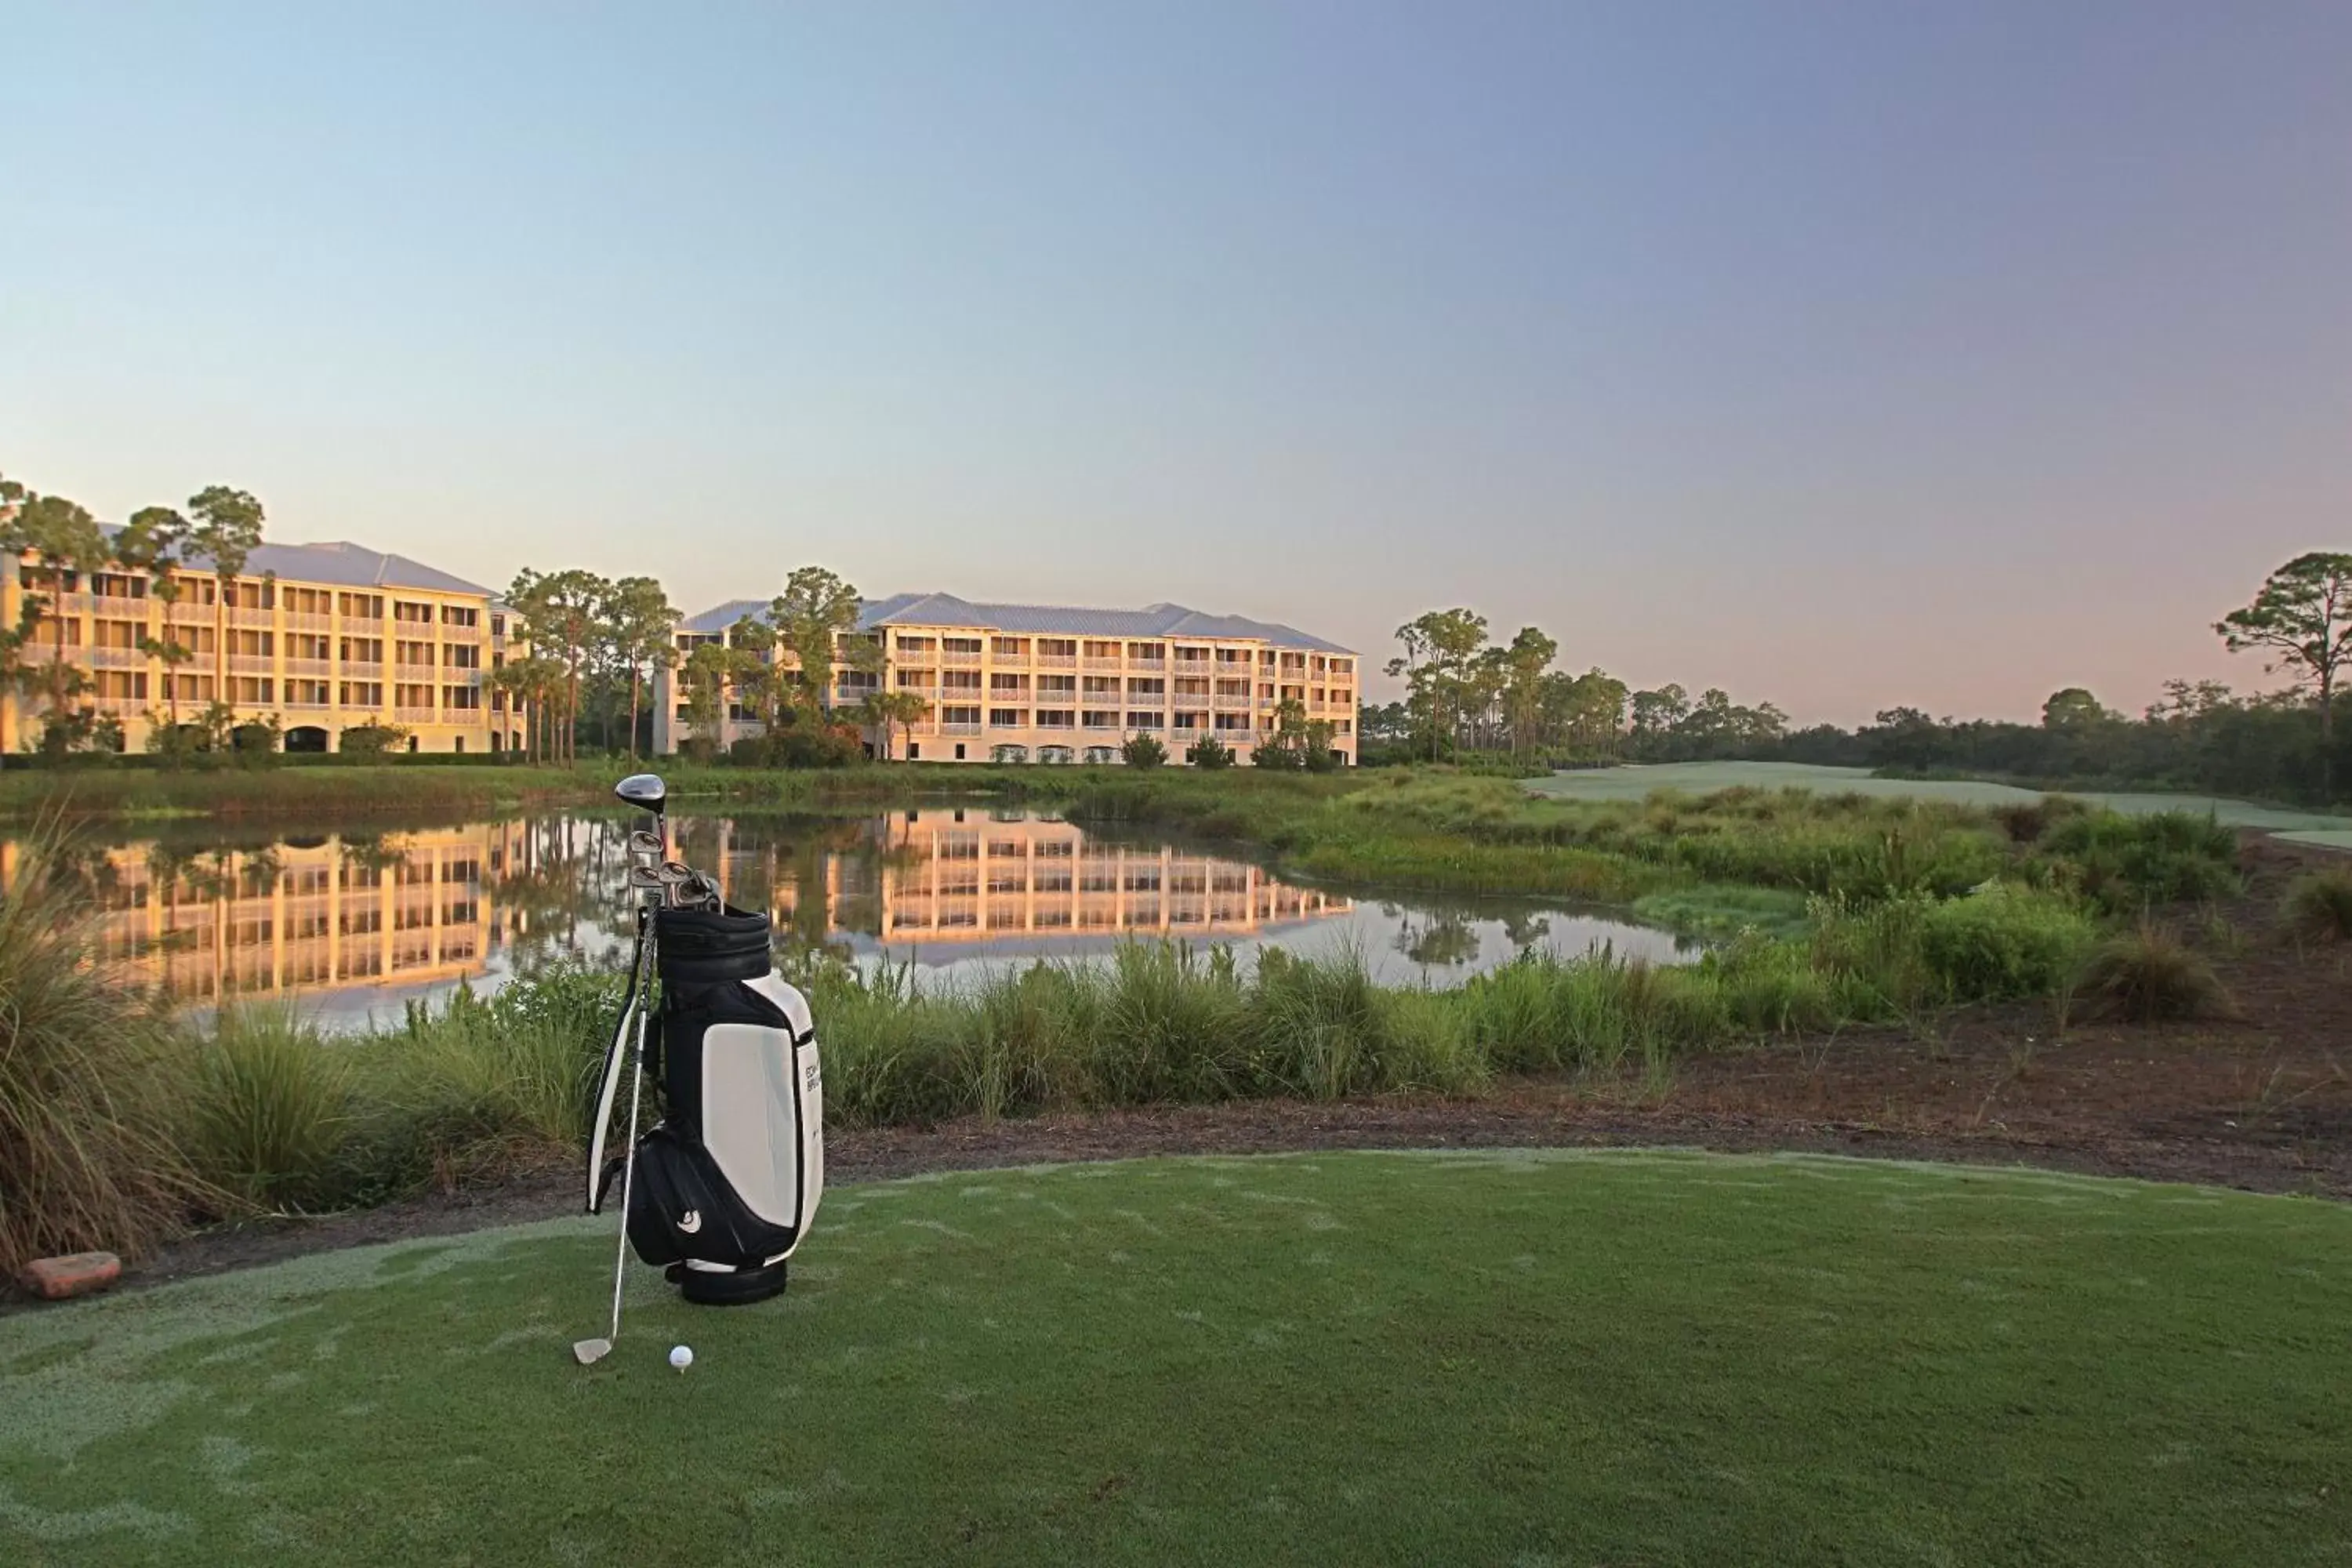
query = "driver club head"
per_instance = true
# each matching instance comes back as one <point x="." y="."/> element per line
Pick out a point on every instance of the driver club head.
<point x="645" y="791"/>
<point x="588" y="1352"/>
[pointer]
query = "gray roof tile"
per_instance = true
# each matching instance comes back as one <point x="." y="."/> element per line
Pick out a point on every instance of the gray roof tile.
<point x="1161" y="620"/>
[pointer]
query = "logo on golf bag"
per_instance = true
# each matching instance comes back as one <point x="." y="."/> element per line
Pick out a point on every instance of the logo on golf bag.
<point x="691" y="1221"/>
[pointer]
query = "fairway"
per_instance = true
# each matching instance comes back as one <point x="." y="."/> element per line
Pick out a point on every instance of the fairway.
<point x="1508" y="1357"/>
<point x="1634" y="782"/>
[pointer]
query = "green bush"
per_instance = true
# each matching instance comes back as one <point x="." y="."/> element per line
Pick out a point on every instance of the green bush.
<point x="2002" y="942"/>
<point x="2148" y="974"/>
<point x="1142" y="752"/>
<point x="2129" y="863"/>
<point x="269" y="1109"/>
<point x="1209" y="752"/>
<point x="2318" y="907"/>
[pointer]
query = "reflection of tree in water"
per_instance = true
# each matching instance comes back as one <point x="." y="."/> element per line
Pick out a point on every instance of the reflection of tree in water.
<point x="1440" y="939"/>
<point x="1524" y="928"/>
<point x="564" y="880"/>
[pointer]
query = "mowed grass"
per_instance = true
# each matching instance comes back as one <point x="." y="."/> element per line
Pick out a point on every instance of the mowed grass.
<point x="1638" y="782"/>
<point x="1508" y="1357"/>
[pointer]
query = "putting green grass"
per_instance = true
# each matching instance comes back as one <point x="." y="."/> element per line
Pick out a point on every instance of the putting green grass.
<point x="1505" y="1358"/>
<point x="1633" y="783"/>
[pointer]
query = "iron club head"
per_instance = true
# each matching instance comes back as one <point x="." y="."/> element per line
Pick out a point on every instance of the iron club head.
<point x="588" y="1352"/>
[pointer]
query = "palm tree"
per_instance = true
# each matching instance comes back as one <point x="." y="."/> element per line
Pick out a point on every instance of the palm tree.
<point x="884" y="708"/>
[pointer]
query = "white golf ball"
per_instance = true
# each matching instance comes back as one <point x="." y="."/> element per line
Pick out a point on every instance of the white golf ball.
<point x="680" y="1357"/>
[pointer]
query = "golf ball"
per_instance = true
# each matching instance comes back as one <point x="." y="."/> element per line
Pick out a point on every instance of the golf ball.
<point x="680" y="1357"/>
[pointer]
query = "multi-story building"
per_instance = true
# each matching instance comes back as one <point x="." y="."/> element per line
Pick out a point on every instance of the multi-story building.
<point x="321" y="637"/>
<point x="1054" y="684"/>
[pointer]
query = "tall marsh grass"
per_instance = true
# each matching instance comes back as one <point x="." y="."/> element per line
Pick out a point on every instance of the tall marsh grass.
<point x="90" y="1073"/>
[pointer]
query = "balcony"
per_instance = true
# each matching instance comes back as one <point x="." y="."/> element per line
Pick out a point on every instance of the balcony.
<point x="961" y="661"/>
<point x="308" y="621"/>
<point x="1095" y="661"/>
<point x="252" y="663"/>
<point x="1057" y="660"/>
<point x="120" y="704"/>
<point x="250" y="616"/>
<point x="363" y="669"/>
<point x="118" y="658"/>
<point x="959" y="727"/>
<point x="317" y="667"/>
<point x="1147" y="664"/>
<point x="412" y="715"/>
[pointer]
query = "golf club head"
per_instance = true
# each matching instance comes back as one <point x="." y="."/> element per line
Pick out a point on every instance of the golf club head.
<point x="588" y="1352"/>
<point x="644" y="791"/>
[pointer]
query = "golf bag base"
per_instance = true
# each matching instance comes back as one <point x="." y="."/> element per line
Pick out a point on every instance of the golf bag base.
<point x="729" y="1287"/>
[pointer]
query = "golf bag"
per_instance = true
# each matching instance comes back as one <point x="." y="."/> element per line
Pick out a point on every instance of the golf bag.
<point x="727" y="1182"/>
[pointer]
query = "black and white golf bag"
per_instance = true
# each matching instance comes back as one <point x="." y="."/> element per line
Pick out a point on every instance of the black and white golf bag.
<point x="726" y="1183"/>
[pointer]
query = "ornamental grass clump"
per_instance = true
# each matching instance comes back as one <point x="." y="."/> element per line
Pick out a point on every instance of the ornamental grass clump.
<point x="2149" y="974"/>
<point x="2318" y="907"/>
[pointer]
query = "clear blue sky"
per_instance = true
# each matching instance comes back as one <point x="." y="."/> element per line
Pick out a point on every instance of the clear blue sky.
<point x="1842" y="354"/>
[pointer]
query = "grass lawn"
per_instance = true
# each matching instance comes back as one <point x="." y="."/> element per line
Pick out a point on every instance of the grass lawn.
<point x="1507" y="1358"/>
<point x="1633" y="783"/>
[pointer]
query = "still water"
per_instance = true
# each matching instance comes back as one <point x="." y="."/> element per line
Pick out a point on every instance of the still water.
<point x="358" y="920"/>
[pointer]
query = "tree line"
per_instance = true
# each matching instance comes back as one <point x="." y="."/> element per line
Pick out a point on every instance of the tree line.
<point x="1468" y="697"/>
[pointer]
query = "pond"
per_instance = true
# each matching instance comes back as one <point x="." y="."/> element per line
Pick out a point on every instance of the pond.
<point x="357" y="919"/>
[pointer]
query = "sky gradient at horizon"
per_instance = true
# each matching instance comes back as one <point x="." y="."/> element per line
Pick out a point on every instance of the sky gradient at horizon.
<point x="1838" y="355"/>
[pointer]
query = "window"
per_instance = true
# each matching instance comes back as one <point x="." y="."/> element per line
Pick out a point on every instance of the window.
<point x="1265" y="658"/>
<point x="961" y="681"/>
<point x="1102" y="649"/>
<point x="1233" y="656"/>
<point x="362" y="650"/>
<point x="1192" y="655"/>
<point x="916" y="645"/>
<point x="412" y="696"/>
<point x="197" y="590"/>
<point x="1008" y="719"/>
<point x="499" y="629"/>
<point x="1192" y="686"/>
<point x="1239" y="689"/>
<point x="1056" y="719"/>
<point x="1147" y="650"/>
<point x="959" y="716"/>
<point x="461" y="656"/>
<point x="1152" y="686"/>
<point x="1102" y="685"/>
<point x="252" y="645"/>
<point x="1294" y="661"/>
<point x="1098" y="719"/>
<point x="307" y="693"/>
<point x="466" y="698"/>
<point x="115" y="633"/>
<point x="1191" y="720"/>
<point x="1058" y="685"/>
<point x="251" y="690"/>
<point x="309" y="601"/>
<point x="361" y="693"/>
<point x="360" y="607"/>
<point x="1343" y="667"/>
<point x="918" y="680"/>
<point x="416" y="654"/>
<point x="1294" y="694"/>
<point x="1233" y="722"/>
<point x="307" y="645"/>
<point x="1010" y="647"/>
<point x="959" y="644"/>
<point x="414" y="614"/>
<point x="1147" y="721"/>
<point x="460" y="615"/>
<point x="249" y="594"/>
<point x="1057" y="647"/>
<point x="194" y="688"/>
<point x="1266" y="692"/>
<point x="121" y="684"/>
<point x="117" y="585"/>
<point x="1008" y="683"/>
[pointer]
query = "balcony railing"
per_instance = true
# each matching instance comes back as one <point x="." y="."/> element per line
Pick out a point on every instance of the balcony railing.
<point x="363" y="669"/>
<point x="412" y="715"/>
<point x="1057" y="660"/>
<point x="120" y="704"/>
<point x="1142" y="663"/>
<point x="243" y="616"/>
<point x="1095" y="662"/>
<point x="312" y="667"/>
<point x="308" y="621"/>
<point x="964" y="660"/>
<point x="252" y="663"/>
<point x="959" y="728"/>
<point x="118" y="658"/>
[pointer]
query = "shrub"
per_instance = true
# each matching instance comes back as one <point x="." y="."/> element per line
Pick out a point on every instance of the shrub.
<point x="373" y="739"/>
<point x="1208" y="751"/>
<point x="90" y="1069"/>
<point x="2002" y="942"/>
<point x="1142" y="752"/>
<point x="2127" y="863"/>
<point x="269" y="1106"/>
<point x="1281" y="758"/>
<point x="2148" y="974"/>
<point x="2318" y="907"/>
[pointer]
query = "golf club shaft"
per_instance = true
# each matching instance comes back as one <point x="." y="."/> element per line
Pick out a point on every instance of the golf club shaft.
<point x="629" y="1162"/>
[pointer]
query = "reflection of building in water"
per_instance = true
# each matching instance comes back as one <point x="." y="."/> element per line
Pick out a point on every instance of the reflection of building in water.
<point x="415" y="909"/>
<point x="947" y="880"/>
